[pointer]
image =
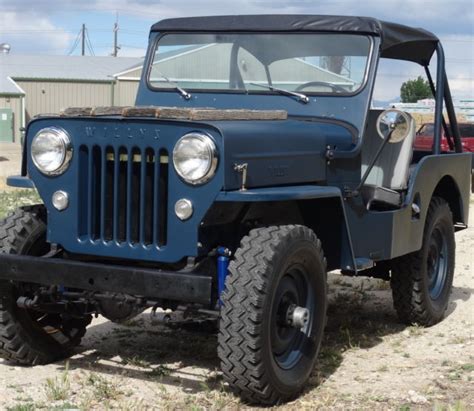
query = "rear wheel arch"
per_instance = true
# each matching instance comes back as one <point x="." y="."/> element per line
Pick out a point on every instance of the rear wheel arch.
<point x="448" y="189"/>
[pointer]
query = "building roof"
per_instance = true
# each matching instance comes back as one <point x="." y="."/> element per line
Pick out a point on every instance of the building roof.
<point x="138" y="65"/>
<point x="63" y="67"/>
<point x="398" y="41"/>
<point x="30" y="67"/>
<point x="9" y="87"/>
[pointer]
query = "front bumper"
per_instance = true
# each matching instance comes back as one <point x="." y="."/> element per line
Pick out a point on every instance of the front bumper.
<point x="169" y="285"/>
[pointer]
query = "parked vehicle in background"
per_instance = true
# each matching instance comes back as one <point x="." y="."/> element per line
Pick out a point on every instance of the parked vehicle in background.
<point x="424" y="138"/>
<point x="424" y="141"/>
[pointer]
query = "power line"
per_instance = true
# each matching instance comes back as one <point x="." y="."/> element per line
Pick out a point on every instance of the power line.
<point x="89" y="44"/>
<point x="76" y="42"/>
<point x="134" y="47"/>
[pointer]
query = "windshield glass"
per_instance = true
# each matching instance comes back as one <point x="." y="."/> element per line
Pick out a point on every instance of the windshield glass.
<point x="305" y="63"/>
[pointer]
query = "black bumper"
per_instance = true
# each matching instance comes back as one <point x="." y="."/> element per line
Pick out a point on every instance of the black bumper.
<point x="169" y="285"/>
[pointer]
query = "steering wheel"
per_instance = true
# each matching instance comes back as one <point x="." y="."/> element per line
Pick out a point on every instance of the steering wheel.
<point x="335" y="87"/>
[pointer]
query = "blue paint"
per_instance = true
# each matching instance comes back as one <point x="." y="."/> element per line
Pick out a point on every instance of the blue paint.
<point x="286" y="193"/>
<point x="222" y="270"/>
<point x="20" y="182"/>
<point x="66" y="227"/>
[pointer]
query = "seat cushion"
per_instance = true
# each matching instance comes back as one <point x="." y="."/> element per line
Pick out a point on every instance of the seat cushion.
<point x="392" y="167"/>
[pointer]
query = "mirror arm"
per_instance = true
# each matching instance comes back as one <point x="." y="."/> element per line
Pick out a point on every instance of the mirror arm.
<point x="356" y="191"/>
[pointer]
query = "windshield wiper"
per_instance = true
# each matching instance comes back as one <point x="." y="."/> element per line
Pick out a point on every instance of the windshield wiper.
<point x="301" y="97"/>
<point x="182" y="91"/>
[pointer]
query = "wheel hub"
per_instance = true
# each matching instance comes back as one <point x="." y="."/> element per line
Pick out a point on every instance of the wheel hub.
<point x="292" y="312"/>
<point x="437" y="266"/>
<point x="297" y="317"/>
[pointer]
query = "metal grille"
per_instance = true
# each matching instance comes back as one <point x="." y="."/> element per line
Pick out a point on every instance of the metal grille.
<point x="124" y="194"/>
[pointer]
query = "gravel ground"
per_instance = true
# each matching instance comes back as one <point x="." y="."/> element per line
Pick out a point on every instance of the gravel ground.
<point x="368" y="359"/>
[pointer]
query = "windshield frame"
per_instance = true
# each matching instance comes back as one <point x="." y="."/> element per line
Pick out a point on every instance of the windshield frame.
<point x="244" y="92"/>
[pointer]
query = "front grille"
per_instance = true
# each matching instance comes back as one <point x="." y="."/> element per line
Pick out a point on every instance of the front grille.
<point x="124" y="195"/>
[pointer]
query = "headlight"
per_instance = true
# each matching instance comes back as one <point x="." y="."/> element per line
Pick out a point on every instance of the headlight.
<point x="195" y="158"/>
<point x="51" y="151"/>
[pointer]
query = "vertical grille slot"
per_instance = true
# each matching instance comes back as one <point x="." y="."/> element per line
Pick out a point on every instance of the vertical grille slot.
<point x="161" y="223"/>
<point x="126" y="195"/>
<point x="148" y="187"/>
<point x="121" y="202"/>
<point x="95" y="190"/>
<point x="108" y="181"/>
<point x="134" y="196"/>
<point x="83" y="182"/>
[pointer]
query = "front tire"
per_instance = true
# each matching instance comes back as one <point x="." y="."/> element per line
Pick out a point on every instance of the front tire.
<point x="422" y="281"/>
<point x="266" y="358"/>
<point x="28" y="337"/>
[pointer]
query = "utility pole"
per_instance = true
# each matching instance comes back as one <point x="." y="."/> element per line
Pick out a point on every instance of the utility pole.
<point x="83" y="36"/>
<point x="116" y="29"/>
<point x="115" y="52"/>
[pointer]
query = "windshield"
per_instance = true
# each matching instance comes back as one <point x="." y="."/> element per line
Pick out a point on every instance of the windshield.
<point x="304" y="63"/>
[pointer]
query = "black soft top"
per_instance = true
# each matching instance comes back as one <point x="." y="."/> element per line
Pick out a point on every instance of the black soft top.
<point x="398" y="41"/>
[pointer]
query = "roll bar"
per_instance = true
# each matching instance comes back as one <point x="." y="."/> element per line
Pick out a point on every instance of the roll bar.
<point x="442" y="95"/>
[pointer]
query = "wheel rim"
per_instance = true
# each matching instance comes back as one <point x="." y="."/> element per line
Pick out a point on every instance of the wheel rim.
<point x="437" y="264"/>
<point x="288" y="342"/>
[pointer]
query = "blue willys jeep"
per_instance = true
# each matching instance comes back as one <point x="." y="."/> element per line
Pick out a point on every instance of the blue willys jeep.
<point x="251" y="165"/>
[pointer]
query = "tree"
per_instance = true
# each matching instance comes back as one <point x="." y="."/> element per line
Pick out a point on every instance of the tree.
<point x="414" y="90"/>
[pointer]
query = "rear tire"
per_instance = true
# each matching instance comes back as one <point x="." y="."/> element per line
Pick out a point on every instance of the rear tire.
<point x="422" y="281"/>
<point x="29" y="337"/>
<point x="264" y="358"/>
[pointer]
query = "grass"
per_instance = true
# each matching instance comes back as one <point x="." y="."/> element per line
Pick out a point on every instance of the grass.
<point x="12" y="199"/>
<point x="457" y="406"/>
<point x="160" y="371"/>
<point x="58" y="389"/>
<point x="136" y="361"/>
<point x="457" y="340"/>
<point x="102" y="388"/>
<point x="415" y="330"/>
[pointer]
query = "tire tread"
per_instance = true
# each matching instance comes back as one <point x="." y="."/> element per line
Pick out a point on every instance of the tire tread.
<point x="239" y="340"/>
<point x="16" y="345"/>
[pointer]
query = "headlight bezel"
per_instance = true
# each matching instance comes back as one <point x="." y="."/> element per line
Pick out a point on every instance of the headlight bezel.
<point x="67" y="149"/>
<point x="214" y="158"/>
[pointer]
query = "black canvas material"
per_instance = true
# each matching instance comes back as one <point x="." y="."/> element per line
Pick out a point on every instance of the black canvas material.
<point x="398" y="41"/>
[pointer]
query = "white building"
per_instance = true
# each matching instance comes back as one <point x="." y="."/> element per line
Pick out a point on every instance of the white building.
<point x="463" y="107"/>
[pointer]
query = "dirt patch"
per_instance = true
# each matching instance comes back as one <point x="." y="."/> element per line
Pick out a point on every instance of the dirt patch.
<point x="368" y="360"/>
<point x="10" y="159"/>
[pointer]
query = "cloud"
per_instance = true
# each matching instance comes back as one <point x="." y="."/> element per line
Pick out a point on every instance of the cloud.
<point x="28" y="32"/>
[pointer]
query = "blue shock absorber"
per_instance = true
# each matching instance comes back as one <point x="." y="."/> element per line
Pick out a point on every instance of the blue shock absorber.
<point x="222" y="269"/>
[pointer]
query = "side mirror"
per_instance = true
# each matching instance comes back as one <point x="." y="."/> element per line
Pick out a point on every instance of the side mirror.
<point x="395" y="123"/>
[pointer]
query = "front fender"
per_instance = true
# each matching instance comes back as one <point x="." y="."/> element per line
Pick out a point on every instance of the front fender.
<point x="301" y="194"/>
<point x="306" y="192"/>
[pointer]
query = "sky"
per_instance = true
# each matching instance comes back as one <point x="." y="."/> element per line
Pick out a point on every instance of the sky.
<point x="52" y="27"/>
